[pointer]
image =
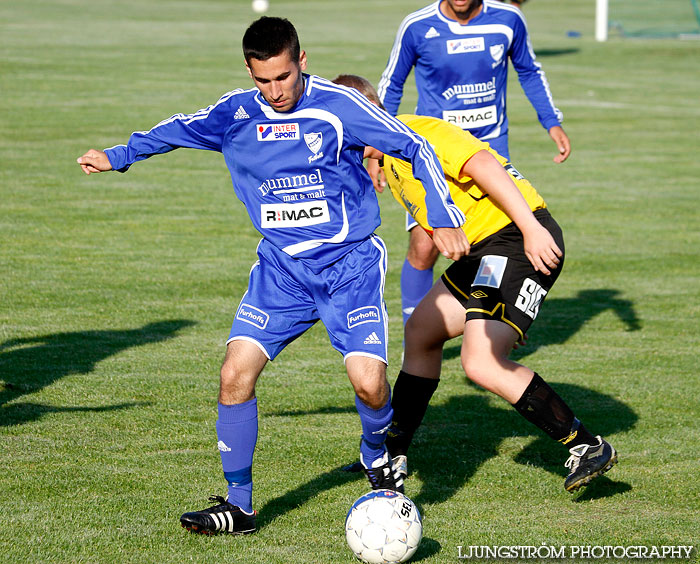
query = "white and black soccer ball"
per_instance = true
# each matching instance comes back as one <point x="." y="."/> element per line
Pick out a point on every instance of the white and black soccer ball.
<point x="383" y="527"/>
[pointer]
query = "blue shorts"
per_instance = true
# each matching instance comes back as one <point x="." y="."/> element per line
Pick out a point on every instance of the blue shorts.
<point x="285" y="298"/>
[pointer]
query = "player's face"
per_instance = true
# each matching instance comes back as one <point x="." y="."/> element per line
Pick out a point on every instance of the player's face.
<point x="279" y="79"/>
<point x="461" y="9"/>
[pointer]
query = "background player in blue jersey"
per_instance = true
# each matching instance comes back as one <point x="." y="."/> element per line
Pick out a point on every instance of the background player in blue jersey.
<point x="459" y="50"/>
<point x="294" y="147"/>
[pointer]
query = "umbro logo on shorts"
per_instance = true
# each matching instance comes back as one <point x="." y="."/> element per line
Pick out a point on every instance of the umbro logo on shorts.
<point x="373" y="339"/>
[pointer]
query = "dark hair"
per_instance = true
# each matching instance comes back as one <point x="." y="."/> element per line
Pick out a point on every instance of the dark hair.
<point x="268" y="37"/>
<point x="362" y="85"/>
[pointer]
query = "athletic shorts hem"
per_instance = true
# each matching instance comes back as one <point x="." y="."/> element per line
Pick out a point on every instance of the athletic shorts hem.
<point x="365" y="354"/>
<point x="249" y="340"/>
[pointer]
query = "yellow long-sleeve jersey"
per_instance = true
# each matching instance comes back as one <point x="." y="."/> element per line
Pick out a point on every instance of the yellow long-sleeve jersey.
<point x="454" y="147"/>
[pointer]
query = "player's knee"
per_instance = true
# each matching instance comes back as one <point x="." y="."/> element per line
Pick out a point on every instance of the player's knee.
<point x="416" y="338"/>
<point x="422" y="253"/>
<point x="236" y="383"/>
<point x="373" y="394"/>
<point x="477" y="370"/>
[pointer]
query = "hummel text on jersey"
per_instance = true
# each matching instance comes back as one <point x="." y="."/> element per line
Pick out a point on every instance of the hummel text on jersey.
<point x="473" y="90"/>
<point x="296" y="183"/>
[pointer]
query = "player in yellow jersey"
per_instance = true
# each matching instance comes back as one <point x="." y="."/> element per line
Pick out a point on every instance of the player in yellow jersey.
<point x="491" y="296"/>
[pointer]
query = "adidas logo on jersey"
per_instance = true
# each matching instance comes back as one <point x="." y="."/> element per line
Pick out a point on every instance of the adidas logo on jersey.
<point x="241" y="113"/>
<point x="432" y="32"/>
<point x="372" y="339"/>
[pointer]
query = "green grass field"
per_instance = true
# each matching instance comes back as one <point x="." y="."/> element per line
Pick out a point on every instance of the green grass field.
<point x="118" y="292"/>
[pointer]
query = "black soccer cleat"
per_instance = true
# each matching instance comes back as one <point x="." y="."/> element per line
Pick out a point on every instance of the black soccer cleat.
<point x="384" y="476"/>
<point x="221" y="518"/>
<point x="587" y="462"/>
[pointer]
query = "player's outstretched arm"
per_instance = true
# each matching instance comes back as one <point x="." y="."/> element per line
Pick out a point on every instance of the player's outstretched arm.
<point x="94" y="161"/>
<point x="561" y="139"/>
<point x="540" y="248"/>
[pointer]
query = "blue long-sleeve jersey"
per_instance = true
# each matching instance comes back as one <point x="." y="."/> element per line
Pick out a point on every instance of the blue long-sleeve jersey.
<point x="300" y="173"/>
<point x="461" y="71"/>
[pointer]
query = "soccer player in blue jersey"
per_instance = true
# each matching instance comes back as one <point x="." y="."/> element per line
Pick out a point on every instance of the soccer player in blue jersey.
<point x="294" y="147"/>
<point x="459" y="50"/>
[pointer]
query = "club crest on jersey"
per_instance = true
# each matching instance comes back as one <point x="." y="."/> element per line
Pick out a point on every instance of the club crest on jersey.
<point x="465" y="45"/>
<point x="497" y="52"/>
<point x="314" y="141"/>
<point x="366" y="314"/>
<point x="278" y="132"/>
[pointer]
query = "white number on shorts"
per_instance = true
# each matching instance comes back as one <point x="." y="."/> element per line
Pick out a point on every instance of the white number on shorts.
<point x="530" y="298"/>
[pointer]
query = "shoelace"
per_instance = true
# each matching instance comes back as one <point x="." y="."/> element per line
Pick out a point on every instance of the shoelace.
<point x="576" y="453"/>
<point x="221" y="500"/>
<point x="378" y="475"/>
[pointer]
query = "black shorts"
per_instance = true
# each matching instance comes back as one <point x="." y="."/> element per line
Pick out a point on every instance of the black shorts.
<point x="497" y="281"/>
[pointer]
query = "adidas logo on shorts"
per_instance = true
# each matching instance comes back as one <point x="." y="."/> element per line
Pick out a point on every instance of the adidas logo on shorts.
<point x="372" y="339"/>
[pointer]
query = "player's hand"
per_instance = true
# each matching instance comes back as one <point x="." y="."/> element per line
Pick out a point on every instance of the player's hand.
<point x="94" y="161"/>
<point x="451" y="242"/>
<point x="376" y="174"/>
<point x="541" y="250"/>
<point x="560" y="137"/>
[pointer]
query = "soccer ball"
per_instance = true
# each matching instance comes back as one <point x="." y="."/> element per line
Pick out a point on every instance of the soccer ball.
<point x="260" y="6"/>
<point x="383" y="527"/>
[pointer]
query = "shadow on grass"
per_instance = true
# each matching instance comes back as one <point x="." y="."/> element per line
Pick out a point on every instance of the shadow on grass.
<point x="29" y="365"/>
<point x="561" y="318"/>
<point x="297" y="497"/>
<point x="556" y="52"/>
<point x="458" y="437"/>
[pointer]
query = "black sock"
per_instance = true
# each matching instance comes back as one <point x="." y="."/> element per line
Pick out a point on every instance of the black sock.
<point x="410" y="398"/>
<point x="543" y="407"/>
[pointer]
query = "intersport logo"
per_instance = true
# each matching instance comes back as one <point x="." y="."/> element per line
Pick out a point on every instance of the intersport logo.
<point x="278" y="132"/>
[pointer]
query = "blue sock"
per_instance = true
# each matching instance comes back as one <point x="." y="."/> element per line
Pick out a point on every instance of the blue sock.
<point x="414" y="285"/>
<point x="375" y="424"/>
<point x="237" y="431"/>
